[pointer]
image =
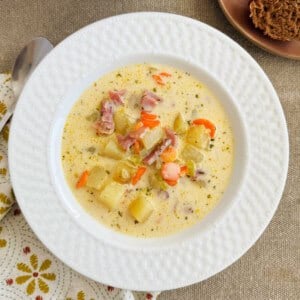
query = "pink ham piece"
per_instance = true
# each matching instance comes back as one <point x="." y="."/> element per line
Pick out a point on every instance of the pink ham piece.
<point x="128" y="140"/>
<point x="149" y="101"/>
<point x="172" y="136"/>
<point x="154" y="154"/>
<point x="164" y="195"/>
<point x="105" y="125"/>
<point x="125" y="141"/>
<point x="199" y="175"/>
<point x="136" y="134"/>
<point x="117" y="96"/>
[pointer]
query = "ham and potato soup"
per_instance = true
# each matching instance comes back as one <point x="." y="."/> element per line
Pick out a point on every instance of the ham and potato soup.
<point x="147" y="150"/>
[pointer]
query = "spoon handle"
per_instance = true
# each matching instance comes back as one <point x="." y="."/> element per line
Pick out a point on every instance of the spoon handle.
<point x="6" y="117"/>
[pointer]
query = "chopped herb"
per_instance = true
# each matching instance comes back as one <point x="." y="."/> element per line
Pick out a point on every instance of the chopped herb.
<point x="209" y="196"/>
<point x="201" y="104"/>
<point x="136" y="81"/>
<point x="197" y="96"/>
<point x="120" y="214"/>
<point x="211" y="146"/>
<point x="136" y="222"/>
<point x="154" y="90"/>
<point x="119" y="75"/>
<point x="189" y="122"/>
<point x="186" y="218"/>
<point x="107" y="172"/>
<point x="91" y="149"/>
<point x="212" y="140"/>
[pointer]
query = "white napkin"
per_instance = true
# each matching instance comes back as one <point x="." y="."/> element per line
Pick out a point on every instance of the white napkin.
<point x="27" y="269"/>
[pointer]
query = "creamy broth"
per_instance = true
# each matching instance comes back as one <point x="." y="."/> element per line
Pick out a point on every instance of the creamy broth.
<point x="178" y="206"/>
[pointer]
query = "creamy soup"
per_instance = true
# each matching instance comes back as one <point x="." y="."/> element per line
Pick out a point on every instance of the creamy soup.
<point x="147" y="150"/>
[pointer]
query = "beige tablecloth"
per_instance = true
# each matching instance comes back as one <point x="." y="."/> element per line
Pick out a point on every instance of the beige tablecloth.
<point x="271" y="268"/>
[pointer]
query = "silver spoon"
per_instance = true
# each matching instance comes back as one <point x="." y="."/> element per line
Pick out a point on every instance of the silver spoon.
<point x="26" y="62"/>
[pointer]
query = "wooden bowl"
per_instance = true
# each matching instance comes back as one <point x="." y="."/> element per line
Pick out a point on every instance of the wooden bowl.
<point x="237" y="13"/>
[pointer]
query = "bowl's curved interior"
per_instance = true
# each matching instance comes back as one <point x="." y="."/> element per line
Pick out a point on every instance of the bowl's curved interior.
<point x="102" y="232"/>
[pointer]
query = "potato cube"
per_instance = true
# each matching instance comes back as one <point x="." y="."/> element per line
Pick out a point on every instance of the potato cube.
<point x="198" y="136"/>
<point x="113" y="150"/>
<point x="141" y="208"/>
<point x="124" y="170"/>
<point x="152" y="137"/>
<point x="122" y="121"/>
<point x="190" y="152"/>
<point x="111" y="194"/>
<point x="180" y="125"/>
<point x="157" y="182"/>
<point x="97" y="177"/>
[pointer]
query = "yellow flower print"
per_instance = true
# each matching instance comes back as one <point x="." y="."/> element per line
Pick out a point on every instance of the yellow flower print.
<point x="5" y="132"/>
<point x="35" y="274"/>
<point x="2" y="241"/>
<point x="3" y="108"/>
<point x="3" y="171"/>
<point x="5" y="204"/>
<point x="80" y="296"/>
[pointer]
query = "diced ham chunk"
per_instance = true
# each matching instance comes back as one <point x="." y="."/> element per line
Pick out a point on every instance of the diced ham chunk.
<point x="154" y="154"/>
<point x="164" y="195"/>
<point x="105" y="125"/>
<point x="125" y="141"/>
<point x="172" y="136"/>
<point x="117" y="96"/>
<point x="199" y="175"/>
<point x="129" y="139"/>
<point x="136" y="134"/>
<point x="149" y="101"/>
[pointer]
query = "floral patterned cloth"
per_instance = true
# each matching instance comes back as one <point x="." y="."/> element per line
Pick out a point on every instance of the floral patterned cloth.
<point x="27" y="269"/>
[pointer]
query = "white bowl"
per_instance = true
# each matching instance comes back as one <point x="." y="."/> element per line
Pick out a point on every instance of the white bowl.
<point x="260" y="165"/>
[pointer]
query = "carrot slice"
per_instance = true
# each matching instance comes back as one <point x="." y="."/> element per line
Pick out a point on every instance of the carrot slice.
<point x="150" y="123"/>
<point x="145" y="115"/>
<point x="136" y="147"/>
<point x="138" y="125"/>
<point x="170" y="171"/>
<point x="165" y="74"/>
<point x="183" y="170"/>
<point x="208" y="124"/>
<point x="138" y="175"/>
<point x="171" y="182"/>
<point x="82" y="180"/>
<point x="158" y="79"/>
<point x="169" y="154"/>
